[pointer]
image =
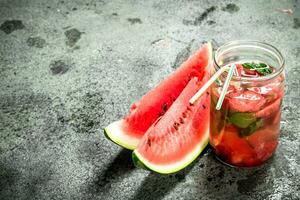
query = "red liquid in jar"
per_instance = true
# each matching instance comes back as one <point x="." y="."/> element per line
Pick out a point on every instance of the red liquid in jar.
<point x="245" y="131"/>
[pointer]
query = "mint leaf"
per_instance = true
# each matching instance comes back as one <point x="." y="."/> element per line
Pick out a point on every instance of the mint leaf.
<point x="249" y="65"/>
<point x="251" y="128"/>
<point x="264" y="71"/>
<point x="242" y="120"/>
<point x="261" y="68"/>
<point x="261" y="65"/>
<point x="246" y="122"/>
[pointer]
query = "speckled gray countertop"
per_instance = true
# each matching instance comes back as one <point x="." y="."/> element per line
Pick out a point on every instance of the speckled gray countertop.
<point x="69" y="68"/>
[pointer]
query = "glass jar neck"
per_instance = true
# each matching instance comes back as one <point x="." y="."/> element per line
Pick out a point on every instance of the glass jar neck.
<point x="249" y="51"/>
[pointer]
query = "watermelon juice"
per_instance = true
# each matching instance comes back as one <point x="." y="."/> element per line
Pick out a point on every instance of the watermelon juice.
<point x="245" y="131"/>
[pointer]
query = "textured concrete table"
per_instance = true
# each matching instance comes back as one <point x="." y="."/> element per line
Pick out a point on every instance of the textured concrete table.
<point x="68" y="69"/>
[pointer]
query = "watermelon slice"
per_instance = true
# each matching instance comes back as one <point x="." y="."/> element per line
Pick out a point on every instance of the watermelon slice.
<point x="128" y="131"/>
<point x="175" y="140"/>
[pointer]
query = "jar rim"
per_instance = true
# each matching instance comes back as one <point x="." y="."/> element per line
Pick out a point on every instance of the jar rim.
<point x="257" y="44"/>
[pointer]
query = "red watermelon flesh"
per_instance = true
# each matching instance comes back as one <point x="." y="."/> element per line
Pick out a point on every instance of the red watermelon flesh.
<point x="264" y="141"/>
<point x="245" y="101"/>
<point x="179" y="136"/>
<point x="128" y="131"/>
<point x="270" y="109"/>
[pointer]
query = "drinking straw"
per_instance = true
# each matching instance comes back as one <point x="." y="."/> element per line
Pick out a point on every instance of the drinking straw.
<point x="235" y="72"/>
<point x="208" y="83"/>
<point x="225" y="87"/>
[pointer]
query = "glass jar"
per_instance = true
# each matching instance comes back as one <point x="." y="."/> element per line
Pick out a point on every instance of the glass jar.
<point x="245" y="131"/>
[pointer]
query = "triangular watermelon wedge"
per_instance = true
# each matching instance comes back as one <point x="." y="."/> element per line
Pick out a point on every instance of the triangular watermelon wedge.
<point x="179" y="136"/>
<point x="128" y="131"/>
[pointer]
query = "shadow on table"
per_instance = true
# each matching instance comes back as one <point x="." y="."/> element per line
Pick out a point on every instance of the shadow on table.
<point x="122" y="164"/>
<point x="8" y="178"/>
<point x="156" y="186"/>
<point x="256" y="177"/>
<point x="231" y="183"/>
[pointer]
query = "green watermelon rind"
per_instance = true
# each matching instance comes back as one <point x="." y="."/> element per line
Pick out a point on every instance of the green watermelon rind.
<point x="141" y="162"/>
<point x="138" y="163"/>
<point x="114" y="132"/>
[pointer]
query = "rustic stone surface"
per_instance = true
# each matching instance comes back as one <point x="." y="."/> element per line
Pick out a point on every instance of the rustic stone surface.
<point x="56" y="100"/>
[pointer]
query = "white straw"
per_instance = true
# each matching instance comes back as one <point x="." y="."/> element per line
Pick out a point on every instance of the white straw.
<point x="236" y="72"/>
<point x="225" y="87"/>
<point x="208" y="83"/>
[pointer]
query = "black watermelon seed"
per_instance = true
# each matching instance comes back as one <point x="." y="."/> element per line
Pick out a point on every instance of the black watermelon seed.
<point x="176" y="128"/>
<point x="181" y="120"/>
<point x="184" y="115"/>
<point x="175" y="125"/>
<point x="149" y="142"/>
<point x="207" y="93"/>
<point x="203" y="106"/>
<point x="165" y="107"/>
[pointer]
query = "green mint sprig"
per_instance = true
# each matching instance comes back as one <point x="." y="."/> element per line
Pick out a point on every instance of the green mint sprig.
<point x="246" y="122"/>
<point x="261" y="68"/>
<point x="251" y="128"/>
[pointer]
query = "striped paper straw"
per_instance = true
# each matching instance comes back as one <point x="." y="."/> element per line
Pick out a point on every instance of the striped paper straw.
<point x="225" y="87"/>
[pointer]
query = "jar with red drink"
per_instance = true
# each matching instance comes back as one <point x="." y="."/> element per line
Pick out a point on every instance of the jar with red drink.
<point x="245" y="131"/>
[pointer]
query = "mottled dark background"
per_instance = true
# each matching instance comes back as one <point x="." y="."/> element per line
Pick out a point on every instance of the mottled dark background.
<point x="69" y="68"/>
